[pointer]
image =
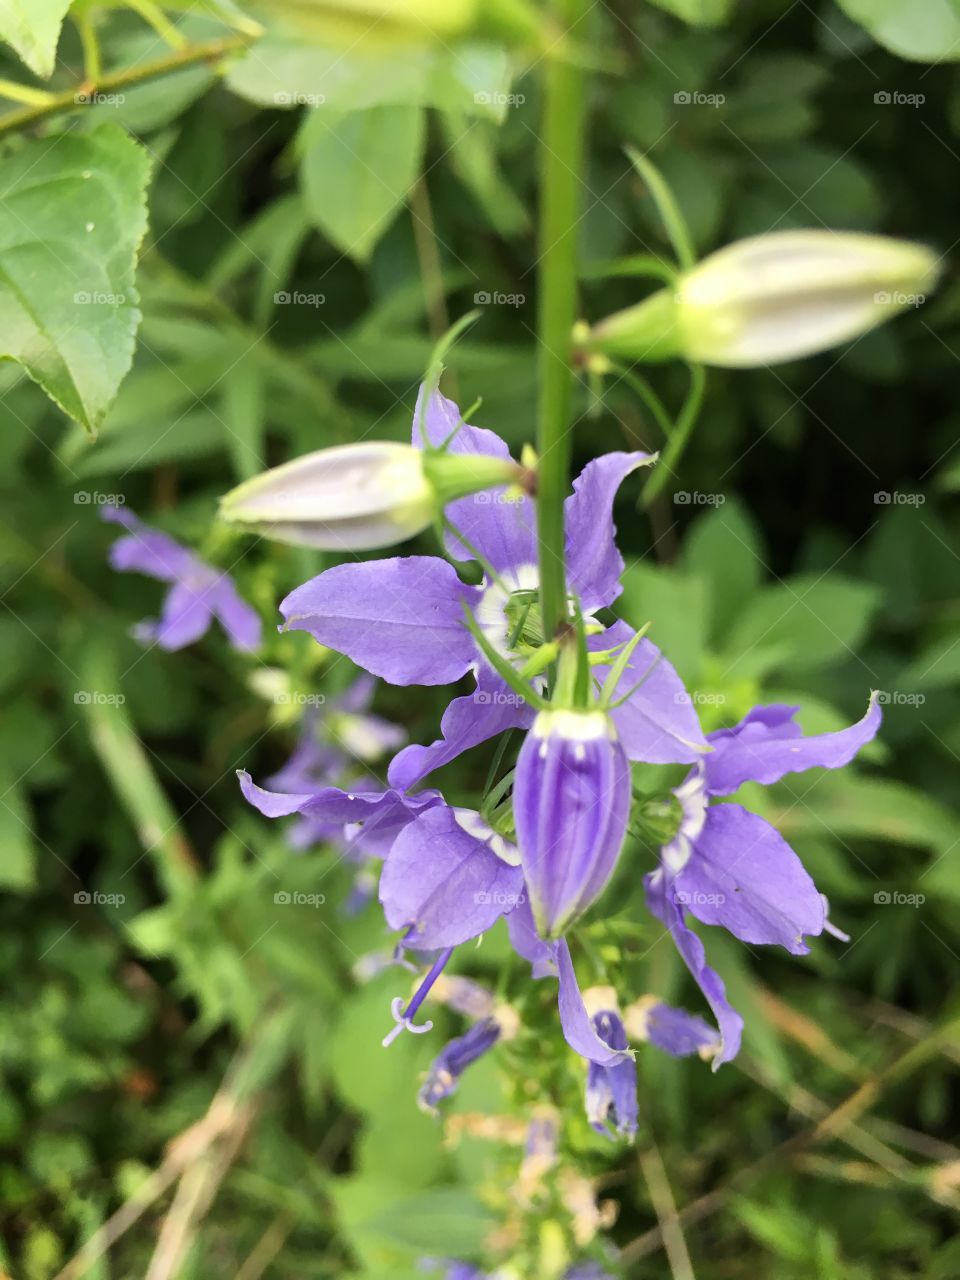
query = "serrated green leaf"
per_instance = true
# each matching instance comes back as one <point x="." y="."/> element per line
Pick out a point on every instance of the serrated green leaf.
<point x="33" y="28"/>
<point x="72" y="216"/>
<point x="357" y="168"/>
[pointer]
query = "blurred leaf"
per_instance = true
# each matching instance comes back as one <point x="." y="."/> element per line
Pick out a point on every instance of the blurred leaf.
<point x="72" y="216"/>
<point x="927" y="30"/>
<point x="284" y="73"/>
<point x="815" y="618"/>
<point x="33" y="28"/>
<point x="18" y="856"/>
<point x="723" y="547"/>
<point x="676" y="606"/>
<point x="357" y="168"/>
<point x="707" y="13"/>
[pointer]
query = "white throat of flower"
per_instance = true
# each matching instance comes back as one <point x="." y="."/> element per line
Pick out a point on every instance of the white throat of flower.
<point x="491" y="612"/>
<point x="471" y="822"/>
<point x="693" y="797"/>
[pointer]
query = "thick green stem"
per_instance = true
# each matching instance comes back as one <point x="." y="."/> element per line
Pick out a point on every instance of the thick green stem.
<point x="561" y="164"/>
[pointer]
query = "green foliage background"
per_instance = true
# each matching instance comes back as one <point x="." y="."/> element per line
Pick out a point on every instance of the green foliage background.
<point x="295" y="260"/>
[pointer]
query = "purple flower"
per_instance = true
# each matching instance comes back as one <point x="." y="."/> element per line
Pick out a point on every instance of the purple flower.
<point x="611" y="1096"/>
<point x="198" y="592"/>
<point x="729" y="867"/>
<point x="403" y="618"/>
<point x="571" y="802"/>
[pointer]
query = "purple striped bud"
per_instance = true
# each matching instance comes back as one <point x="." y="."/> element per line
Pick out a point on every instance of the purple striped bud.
<point x="571" y="802"/>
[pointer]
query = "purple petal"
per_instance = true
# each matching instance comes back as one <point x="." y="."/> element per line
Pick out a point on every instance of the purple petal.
<point x="187" y="614"/>
<point x="147" y="550"/>
<point x="578" y="1029"/>
<point x="492" y="708"/>
<point x="661" y="903"/>
<point x="358" y="696"/>
<point x="768" y="744"/>
<point x="239" y="620"/>
<point x="675" y="1031"/>
<point x="505" y="532"/>
<point x="658" y="723"/>
<point x="445" y="885"/>
<point x="594" y="565"/>
<point x="527" y="942"/>
<point x="402" y="619"/>
<point x="333" y="805"/>
<point x="744" y="876"/>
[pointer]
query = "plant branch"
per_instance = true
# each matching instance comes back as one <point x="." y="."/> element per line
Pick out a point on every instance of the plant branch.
<point x="213" y="51"/>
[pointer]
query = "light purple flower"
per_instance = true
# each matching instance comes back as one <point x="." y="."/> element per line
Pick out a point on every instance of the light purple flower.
<point x="729" y="867"/>
<point x="611" y="1093"/>
<point x="571" y="802"/>
<point x="675" y="1031"/>
<point x="403" y="618"/>
<point x="198" y="592"/>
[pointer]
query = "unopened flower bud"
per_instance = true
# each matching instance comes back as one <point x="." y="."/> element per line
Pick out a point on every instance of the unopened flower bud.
<point x="772" y="298"/>
<point x="571" y="801"/>
<point x="355" y="497"/>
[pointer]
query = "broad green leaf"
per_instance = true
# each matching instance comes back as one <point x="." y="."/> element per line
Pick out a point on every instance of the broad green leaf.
<point x="33" y="28"/>
<point x="815" y="617"/>
<point x="357" y="168"/>
<point x="72" y="215"/>
<point x="925" y="30"/>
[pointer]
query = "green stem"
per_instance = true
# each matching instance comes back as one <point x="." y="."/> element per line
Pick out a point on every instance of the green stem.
<point x="92" y="61"/>
<point x="666" y="468"/>
<point x="561" y="164"/>
<point x="60" y="103"/>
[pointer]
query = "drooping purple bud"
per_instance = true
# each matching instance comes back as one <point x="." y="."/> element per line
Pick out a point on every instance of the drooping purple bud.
<point x="571" y="802"/>
<point x="450" y="1064"/>
<point x="611" y="1096"/>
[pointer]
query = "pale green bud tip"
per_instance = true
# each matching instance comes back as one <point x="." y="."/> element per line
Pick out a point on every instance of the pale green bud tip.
<point x="771" y="298"/>
<point x="352" y="497"/>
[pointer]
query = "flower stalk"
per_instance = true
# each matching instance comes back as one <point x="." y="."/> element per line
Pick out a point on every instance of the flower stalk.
<point x="561" y="163"/>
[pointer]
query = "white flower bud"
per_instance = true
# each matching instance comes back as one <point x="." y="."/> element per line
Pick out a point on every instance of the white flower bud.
<point x="772" y="298"/>
<point x="355" y="497"/>
<point x="352" y="497"/>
